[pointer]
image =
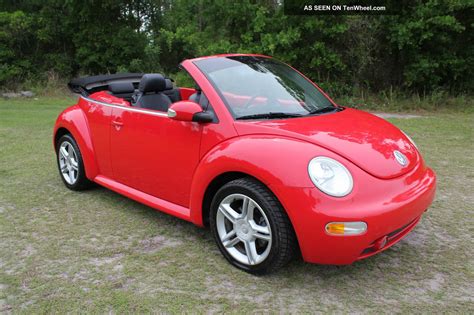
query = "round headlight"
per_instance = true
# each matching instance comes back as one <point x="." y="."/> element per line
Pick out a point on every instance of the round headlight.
<point x="330" y="176"/>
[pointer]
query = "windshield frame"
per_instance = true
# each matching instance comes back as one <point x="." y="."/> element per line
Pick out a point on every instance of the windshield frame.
<point x="228" y="106"/>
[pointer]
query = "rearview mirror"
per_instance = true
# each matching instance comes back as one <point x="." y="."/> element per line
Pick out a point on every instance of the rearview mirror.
<point x="189" y="111"/>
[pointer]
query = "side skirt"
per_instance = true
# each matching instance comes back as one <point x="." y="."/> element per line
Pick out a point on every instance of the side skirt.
<point x="149" y="200"/>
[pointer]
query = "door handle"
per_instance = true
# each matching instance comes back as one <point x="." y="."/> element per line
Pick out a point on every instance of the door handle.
<point x="117" y="124"/>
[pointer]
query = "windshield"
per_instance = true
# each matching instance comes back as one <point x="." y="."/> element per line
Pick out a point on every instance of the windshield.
<point x="263" y="88"/>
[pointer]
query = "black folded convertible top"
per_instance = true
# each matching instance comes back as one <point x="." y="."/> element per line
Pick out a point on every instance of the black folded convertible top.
<point x="87" y="85"/>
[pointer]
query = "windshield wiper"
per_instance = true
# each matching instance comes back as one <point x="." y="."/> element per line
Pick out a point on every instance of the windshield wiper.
<point x="269" y="115"/>
<point x="326" y="109"/>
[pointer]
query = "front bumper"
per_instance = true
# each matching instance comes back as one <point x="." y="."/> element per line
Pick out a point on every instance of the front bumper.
<point x="391" y="209"/>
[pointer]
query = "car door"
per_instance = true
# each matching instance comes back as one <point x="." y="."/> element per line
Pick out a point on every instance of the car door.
<point x="153" y="153"/>
<point x="98" y="117"/>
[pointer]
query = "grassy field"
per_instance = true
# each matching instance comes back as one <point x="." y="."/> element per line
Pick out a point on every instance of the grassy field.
<point x="96" y="251"/>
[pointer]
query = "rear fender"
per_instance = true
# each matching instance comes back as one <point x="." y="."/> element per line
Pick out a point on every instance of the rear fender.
<point x="74" y="121"/>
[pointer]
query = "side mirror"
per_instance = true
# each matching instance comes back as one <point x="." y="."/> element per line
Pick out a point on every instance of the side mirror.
<point x="189" y="111"/>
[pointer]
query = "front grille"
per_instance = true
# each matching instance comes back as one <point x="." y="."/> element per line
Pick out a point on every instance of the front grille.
<point x="390" y="236"/>
<point x="397" y="231"/>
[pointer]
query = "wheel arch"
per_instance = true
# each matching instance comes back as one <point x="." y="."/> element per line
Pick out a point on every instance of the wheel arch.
<point x="59" y="133"/>
<point x="73" y="121"/>
<point x="213" y="187"/>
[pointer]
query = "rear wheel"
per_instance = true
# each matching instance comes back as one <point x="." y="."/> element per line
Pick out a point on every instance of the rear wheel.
<point x="251" y="227"/>
<point x="70" y="164"/>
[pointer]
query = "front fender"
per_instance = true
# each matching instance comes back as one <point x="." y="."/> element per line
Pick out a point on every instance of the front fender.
<point x="74" y="120"/>
<point x="274" y="161"/>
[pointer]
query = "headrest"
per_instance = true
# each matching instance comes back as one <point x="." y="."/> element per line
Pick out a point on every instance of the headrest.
<point x="121" y="87"/>
<point x="169" y="84"/>
<point x="152" y="82"/>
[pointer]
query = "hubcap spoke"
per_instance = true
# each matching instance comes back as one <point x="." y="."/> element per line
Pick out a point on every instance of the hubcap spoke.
<point x="71" y="175"/>
<point x="259" y="231"/>
<point x="230" y="239"/>
<point x="74" y="165"/>
<point x="251" y="251"/>
<point x="232" y="242"/>
<point x="228" y="212"/>
<point x="264" y="237"/>
<point x="228" y="235"/>
<point x="64" y="152"/>
<point x="245" y="207"/>
<point x="70" y="151"/>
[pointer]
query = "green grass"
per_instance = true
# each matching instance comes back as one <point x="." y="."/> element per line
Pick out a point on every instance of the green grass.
<point x="437" y="101"/>
<point x="96" y="251"/>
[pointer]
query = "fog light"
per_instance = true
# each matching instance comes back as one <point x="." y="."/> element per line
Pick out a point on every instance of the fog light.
<point x="346" y="228"/>
<point x="380" y="243"/>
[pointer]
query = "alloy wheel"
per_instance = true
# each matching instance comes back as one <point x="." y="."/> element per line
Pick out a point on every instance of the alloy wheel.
<point x="244" y="229"/>
<point x="68" y="162"/>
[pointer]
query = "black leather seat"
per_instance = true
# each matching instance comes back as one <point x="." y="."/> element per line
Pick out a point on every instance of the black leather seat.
<point x="172" y="92"/>
<point x="200" y="98"/>
<point x="195" y="97"/>
<point x="123" y="90"/>
<point x="150" y="93"/>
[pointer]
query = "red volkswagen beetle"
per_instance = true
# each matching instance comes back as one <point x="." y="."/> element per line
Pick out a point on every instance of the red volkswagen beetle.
<point x="254" y="150"/>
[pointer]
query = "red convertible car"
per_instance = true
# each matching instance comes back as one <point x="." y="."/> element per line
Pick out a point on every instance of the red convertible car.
<point x="254" y="150"/>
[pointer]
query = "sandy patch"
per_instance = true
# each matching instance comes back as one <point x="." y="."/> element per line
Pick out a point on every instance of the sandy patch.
<point x="156" y="243"/>
<point x="98" y="262"/>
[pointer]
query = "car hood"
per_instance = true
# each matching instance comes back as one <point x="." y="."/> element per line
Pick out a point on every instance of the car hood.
<point x="364" y="139"/>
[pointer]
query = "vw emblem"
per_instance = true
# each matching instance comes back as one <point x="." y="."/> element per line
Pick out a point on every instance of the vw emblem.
<point x="400" y="157"/>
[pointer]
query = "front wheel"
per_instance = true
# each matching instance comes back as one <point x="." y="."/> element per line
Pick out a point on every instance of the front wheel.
<point x="70" y="164"/>
<point x="251" y="227"/>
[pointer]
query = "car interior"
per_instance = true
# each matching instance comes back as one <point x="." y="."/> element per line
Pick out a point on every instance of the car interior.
<point x="154" y="91"/>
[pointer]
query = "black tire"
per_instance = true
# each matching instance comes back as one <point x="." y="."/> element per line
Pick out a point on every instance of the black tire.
<point x="283" y="245"/>
<point x="82" y="182"/>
